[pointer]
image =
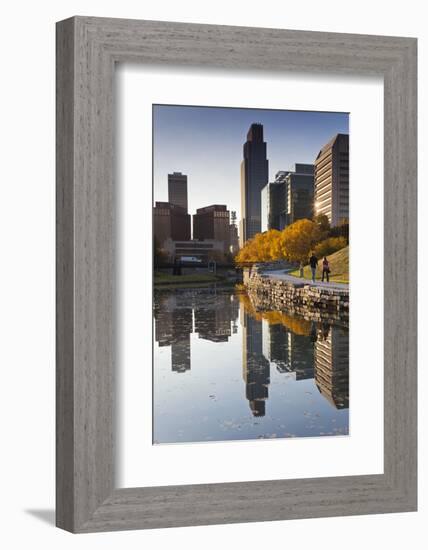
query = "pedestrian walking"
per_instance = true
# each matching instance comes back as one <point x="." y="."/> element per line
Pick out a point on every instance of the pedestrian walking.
<point x="325" y="270"/>
<point x="313" y="262"/>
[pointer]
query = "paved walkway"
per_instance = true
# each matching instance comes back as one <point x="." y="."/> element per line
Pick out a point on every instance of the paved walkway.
<point x="280" y="274"/>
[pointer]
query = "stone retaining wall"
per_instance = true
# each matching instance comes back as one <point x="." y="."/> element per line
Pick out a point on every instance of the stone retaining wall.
<point x="266" y="266"/>
<point x="312" y="302"/>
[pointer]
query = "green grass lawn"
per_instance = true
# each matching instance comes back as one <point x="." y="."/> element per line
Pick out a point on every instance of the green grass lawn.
<point x="339" y="267"/>
<point x="169" y="279"/>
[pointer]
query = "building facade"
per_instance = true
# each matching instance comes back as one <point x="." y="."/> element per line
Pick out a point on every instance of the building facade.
<point x="177" y="190"/>
<point x="255" y="366"/>
<point x="273" y="201"/>
<point x="216" y="315"/>
<point x="254" y="176"/>
<point x="170" y="222"/>
<point x="288" y="351"/>
<point x="234" y="239"/>
<point x="212" y="223"/>
<point x="289" y="198"/>
<point x="203" y="250"/>
<point x="299" y="193"/>
<point x="205" y="312"/>
<point x="332" y="180"/>
<point x="173" y="326"/>
<point x="332" y="366"/>
<point x="233" y="234"/>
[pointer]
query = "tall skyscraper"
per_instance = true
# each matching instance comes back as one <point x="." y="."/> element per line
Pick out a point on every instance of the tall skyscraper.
<point x="254" y="176"/>
<point x="177" y="189"/>
<point x="332" y="180"/>
<point x="255" y="366"/>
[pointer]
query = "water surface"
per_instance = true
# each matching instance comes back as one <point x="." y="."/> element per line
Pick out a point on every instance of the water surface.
<point x="224" y="371"/>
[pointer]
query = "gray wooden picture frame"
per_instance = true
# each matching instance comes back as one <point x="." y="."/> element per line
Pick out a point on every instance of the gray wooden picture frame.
<point x="87" y="50"/>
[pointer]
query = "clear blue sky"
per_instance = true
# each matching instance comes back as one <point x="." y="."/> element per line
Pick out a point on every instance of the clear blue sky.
<point x="206" y="144"/>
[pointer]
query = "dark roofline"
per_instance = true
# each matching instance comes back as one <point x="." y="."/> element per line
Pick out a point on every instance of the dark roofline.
<point x="211" y="208"/>
<point x="330" y="143"/>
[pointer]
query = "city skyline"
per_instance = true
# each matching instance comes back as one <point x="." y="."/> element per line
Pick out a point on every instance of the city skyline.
<point x="205" y="143"/>
<point x="238" y="354"/>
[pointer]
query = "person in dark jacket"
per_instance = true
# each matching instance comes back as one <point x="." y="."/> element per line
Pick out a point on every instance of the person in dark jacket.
<point x="313" y="262"/>
<point x="325" y="269"/>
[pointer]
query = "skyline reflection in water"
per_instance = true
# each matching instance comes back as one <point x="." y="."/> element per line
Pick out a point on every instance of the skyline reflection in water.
<point x="224" y="371"/>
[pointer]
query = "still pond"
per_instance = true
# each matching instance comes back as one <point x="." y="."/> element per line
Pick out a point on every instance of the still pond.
<point x="224" y="371"/>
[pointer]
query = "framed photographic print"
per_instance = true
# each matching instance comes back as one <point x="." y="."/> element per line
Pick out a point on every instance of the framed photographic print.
<point x="236" y="274"/>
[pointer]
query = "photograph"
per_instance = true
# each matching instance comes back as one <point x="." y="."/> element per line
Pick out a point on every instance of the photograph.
<point x="250" y="274"/>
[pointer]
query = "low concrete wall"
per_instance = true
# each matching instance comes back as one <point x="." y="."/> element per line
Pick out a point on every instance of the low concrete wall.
<point x="300" y="298"/>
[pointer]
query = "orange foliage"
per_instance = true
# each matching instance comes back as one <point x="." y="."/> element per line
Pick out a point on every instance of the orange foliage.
<point x="263" y="247"/>
<point x="297" y="325"/>
<point x="294" y="243"/>
<point x="299" y="239"/>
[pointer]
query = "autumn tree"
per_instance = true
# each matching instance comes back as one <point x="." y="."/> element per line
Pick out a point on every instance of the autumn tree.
<point x="263" y="247"/>
<point x="299" y="239"/>
<point x="276" y="249"/>
<point x="295" y="242"/>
